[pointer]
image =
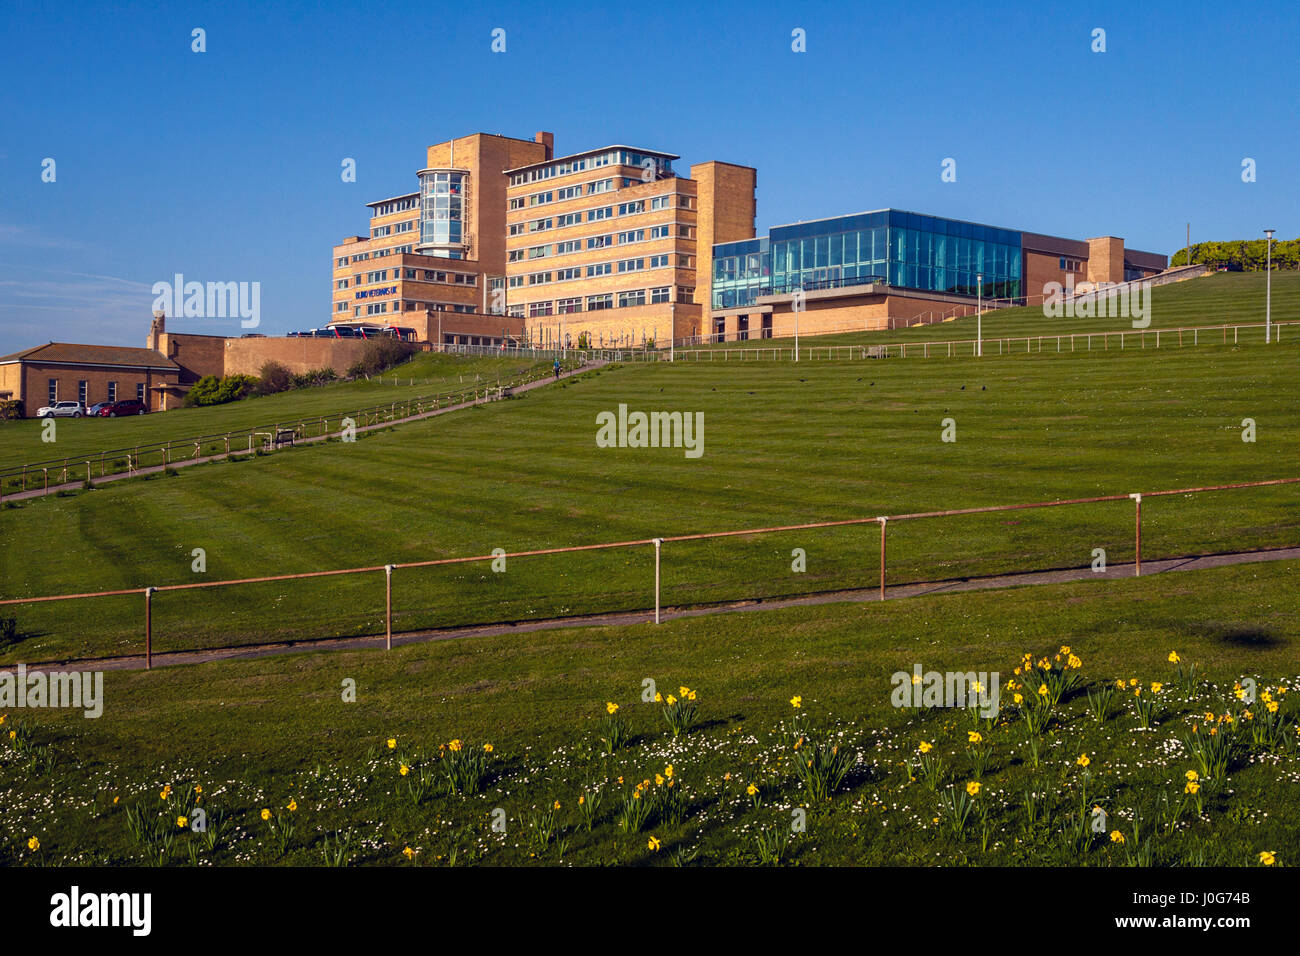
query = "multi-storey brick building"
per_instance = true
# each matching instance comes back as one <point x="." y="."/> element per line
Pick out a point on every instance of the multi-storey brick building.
<point x="505" y="242"/>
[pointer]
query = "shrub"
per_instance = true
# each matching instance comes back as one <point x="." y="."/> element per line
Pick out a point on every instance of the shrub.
<point x="8" y="631"/>
<point x="381" y="354"/>
<point x="274" y="378"/>
<point x="210" y="390"/>
<point x="316" y="376"/>
<point x="11" y="409"/>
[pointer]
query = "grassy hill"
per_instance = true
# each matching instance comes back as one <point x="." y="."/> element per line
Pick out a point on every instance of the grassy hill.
<point x="1219" y="299"/>
<point x="272" y="733"/>
<point x="425" y="374"/>
<point x="794" y="444"/>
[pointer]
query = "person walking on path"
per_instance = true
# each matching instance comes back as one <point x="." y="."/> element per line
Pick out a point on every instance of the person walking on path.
<point x="557" y="368"/>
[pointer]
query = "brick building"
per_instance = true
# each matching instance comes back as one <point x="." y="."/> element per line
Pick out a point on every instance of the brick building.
<point x="504" y="242"/>
<point x="64" y="372"/>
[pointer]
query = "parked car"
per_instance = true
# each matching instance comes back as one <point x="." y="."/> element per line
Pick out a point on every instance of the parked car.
<point x="62" y="410"/>
<point x="97" y="408"/>
<point x="127" y="406"/>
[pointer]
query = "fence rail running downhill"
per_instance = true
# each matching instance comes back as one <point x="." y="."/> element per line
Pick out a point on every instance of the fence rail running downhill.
<point x="31" y="476"/>
<point x="656" y="543"/>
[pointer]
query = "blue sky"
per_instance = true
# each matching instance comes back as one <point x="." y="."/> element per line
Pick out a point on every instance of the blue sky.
<point x="224" y="165"/>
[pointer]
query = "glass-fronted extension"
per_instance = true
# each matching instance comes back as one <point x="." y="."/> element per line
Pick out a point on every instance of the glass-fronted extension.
<point x="898" y="248"/>
<point x="441" y="223"/>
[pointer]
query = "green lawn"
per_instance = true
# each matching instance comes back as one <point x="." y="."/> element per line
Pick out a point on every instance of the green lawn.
<point x="794" y="444"/>
<point x="1219" y="299"/>
<point x="265" y="733"/>
<point x="426" y="374"/>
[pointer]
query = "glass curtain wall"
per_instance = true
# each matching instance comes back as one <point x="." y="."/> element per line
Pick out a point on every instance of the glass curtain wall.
<point x="900" y="248"/>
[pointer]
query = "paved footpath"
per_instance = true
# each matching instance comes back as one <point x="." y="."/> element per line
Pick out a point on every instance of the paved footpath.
<point x="856" y="596"/>
<point x="154" y="469"/>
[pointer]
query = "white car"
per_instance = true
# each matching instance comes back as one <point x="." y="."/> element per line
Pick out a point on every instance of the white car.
<point x="62" y="410"/>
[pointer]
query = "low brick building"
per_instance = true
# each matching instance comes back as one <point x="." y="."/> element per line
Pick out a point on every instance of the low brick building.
<point x="66" y="372"/>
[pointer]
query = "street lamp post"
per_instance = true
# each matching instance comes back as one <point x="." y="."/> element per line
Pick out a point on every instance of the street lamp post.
<point x="979" y="315"/>
<point x="1268" y="288"/>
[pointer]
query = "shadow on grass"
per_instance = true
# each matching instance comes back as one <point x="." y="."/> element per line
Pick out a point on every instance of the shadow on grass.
<point x="1240" y="635"/>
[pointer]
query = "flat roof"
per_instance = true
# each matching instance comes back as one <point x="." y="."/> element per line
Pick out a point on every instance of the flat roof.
<point x="929" y="215"/>
<point x="906" y="212"/>
<point x="380" y="202"/>
<point x="593" y="152"/>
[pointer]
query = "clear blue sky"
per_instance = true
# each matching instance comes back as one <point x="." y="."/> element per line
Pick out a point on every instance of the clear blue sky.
<point x="225" y="165"/>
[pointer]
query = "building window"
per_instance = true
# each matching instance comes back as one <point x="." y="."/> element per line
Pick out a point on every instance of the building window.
<point x="54" y="390"/>
<point x="600" y="242"/>
<point x="569" y="305"/>
<point x="631" y="265"/>
<point x="139" y="392"/>
<point x="626" y="299"/>
<point x="597" y="302"/>
<point x="661" y="202"/>
<point x="660" y="294"/>
<point x="659" y="262"/>
<point x="604" y="212"/>
<point x="631" y="208"/>
<point x="83" y="391"/>
<point x="659" y="232"/>
<point x="539" y="308"/>
<point x="685" y="293"/>
<point x="599" y="269"/>
<point x="112" y="391"/>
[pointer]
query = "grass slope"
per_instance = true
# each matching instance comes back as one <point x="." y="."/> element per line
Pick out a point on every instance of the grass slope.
<point x="259" y="734"/>
<point x="426" y="374"/>
<point x="795" y="444"/>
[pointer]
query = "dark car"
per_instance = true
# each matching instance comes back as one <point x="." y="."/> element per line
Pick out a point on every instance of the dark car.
<point x="128" y="406"/>
<point x="95" y="409"/>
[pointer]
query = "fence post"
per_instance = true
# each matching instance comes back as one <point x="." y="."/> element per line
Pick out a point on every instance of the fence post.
<point x="89" y="475"/>
<point x="388" y="606"/>
<point x="1137" y="519"/>
<point x="148" y="628"/>
<point x="883" y="521"/>
<point x="658" y="546"/>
